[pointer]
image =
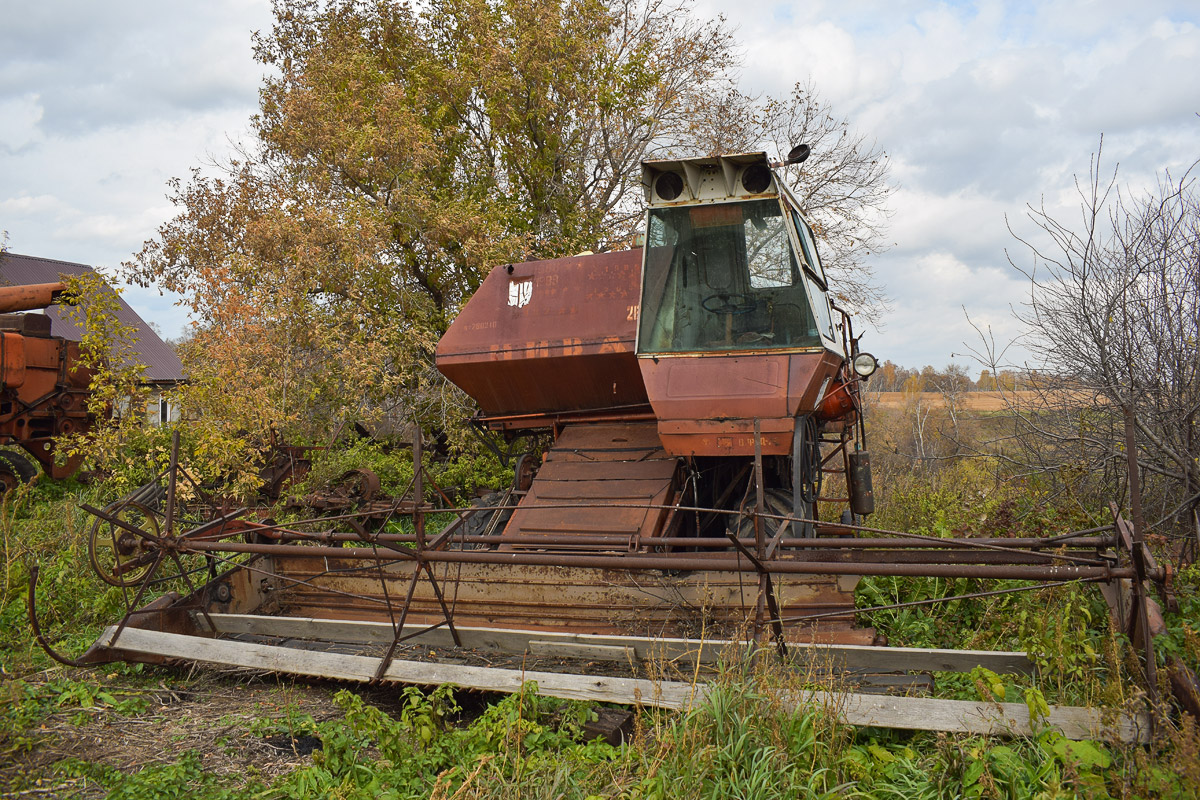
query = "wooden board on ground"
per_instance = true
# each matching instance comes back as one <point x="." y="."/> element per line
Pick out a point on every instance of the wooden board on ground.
<point x="908" y="713"/>
<point x="620" y="648"/>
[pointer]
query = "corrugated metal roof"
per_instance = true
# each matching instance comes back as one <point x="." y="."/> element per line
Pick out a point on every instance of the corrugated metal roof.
<point x="161" y="362"/>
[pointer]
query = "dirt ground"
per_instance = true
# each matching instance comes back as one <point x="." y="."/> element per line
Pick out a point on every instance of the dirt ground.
<point x="233" y="719"/>
<point x="213" y="716"/>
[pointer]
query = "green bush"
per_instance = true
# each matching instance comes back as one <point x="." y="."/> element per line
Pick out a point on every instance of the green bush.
<point x="393" y="466"/>
<point x="43" y="525"/>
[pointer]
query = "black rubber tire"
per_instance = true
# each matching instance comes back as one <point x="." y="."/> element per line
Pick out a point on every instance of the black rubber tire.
<point x="775" y="501"/>
<point x="477" y="522"/>
<point x="15" y="469"/>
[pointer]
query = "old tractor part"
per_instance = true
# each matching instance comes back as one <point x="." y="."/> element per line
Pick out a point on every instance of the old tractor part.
<point x="357" y="490"/>
<point x="45" y="389"/>
<point x="15" y="469"/>
<point x="379" y="594"/>
<point x="123" y="543"/>
<point x="417" y="583"/>
<point x="282" y="465"/>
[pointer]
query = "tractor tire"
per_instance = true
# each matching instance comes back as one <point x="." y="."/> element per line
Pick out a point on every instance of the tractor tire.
<point x="15" y="469"/>
<point x="775" y="501"/>
<point x="480" y="523"/>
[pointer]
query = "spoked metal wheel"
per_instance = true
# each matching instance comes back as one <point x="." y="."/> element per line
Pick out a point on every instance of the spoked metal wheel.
<point x="123" y="554"/>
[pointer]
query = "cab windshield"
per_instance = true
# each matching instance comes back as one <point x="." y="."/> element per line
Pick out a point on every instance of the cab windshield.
<point x="723" y="277"/>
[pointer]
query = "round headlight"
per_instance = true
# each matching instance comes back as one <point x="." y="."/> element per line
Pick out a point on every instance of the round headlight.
<point x="668" y="186"/>
<point x="756" y="179"/>
<point x="865" y="365"/>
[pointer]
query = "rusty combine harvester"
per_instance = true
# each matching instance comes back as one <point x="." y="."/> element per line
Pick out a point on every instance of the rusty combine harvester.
<point x="704" y="474"/>
<point x="45" y="390"/>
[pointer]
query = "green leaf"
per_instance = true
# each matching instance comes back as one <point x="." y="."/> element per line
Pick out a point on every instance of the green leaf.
<point x="1086" y="754"/>
<point x="973" y="773"/>
<point x="881" y="754"/>
<point x="1039" y="709"/>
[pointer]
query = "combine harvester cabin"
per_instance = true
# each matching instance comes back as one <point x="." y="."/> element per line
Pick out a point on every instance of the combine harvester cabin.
<point x="701" y="482"/>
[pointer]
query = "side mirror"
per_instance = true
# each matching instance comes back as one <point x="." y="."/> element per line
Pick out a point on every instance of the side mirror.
<point x="798" y="154"/>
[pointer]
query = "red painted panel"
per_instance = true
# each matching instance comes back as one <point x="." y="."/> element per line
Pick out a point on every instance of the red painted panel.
<point x="717" y="387"/>
<point x="706" y="405"/>
<point x="547" y="336"/>
<point x="598" y="479"/>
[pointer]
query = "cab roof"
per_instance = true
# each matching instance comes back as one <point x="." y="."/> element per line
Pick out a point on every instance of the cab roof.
<point x="713" y="179"/>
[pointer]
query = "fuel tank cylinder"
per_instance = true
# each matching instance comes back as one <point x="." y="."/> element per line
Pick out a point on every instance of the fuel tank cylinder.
<point x="550" y="337"/>
<point x="862" y="494"/>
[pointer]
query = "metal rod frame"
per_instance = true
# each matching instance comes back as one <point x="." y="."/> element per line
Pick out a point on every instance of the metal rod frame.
<point x="763" y="554"/>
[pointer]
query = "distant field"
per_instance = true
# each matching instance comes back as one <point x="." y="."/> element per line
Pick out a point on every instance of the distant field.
<point x="971" y="401"/>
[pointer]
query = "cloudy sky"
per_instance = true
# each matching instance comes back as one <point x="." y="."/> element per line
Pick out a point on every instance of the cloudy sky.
<point x="983" y="107"/>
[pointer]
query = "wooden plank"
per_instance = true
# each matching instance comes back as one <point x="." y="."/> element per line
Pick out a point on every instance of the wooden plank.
<point x="849" y="657"/>
<point x="962" y="716"/>
<point x="908" y="713"/>
<point x="596" y="652"/>
<point x="628" y="691"/>
<point x="559" y="598"/>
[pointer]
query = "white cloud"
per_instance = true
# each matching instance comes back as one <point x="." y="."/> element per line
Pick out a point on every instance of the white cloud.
<point x="19" y="120"/>
<point x="97" y="64"/>
<point x="937" y="297"/>
<point x="984" y="106"/>
<point x="28" y="204"/>
<point x="1155" y="80"/>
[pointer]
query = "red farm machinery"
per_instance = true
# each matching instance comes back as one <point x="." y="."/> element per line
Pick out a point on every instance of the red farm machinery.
<point x="703" y="480"/>
<point x="45" y="388"/>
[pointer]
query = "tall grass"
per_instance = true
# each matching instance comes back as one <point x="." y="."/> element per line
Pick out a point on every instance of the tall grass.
<point x="741" y="741"/>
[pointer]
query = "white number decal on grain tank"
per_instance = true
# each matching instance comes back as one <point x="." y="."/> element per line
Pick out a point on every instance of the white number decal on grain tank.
<point x="519" y="293"/>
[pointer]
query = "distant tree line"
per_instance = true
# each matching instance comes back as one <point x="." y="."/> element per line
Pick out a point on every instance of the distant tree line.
<point x="953" y="378"/>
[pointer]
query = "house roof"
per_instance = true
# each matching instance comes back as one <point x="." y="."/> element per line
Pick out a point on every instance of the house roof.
<point x="162" y="364"/>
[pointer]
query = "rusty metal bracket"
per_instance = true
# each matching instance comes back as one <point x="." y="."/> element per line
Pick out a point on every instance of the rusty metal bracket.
<point x="421" y="565"/>
<point x="769" y="590"/>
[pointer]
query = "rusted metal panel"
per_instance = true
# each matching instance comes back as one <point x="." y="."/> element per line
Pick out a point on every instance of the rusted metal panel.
<point x="626" y="442"/>
<point x="12" y="360"/>
<point x="806" y="376"/>
<point x="580" y="470"/>
<point x="629" y="491"/>
<point x="706" y="404"/>
<point x="708" y="387"/>
<point x="48" y="398"/>
<point x="620" y="472"/>
<point x="549" y="336"/>
<point x="706" y="437"/>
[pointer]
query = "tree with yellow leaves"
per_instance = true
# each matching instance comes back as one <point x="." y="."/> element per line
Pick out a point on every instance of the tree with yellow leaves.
<point x="402" y="151"/>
